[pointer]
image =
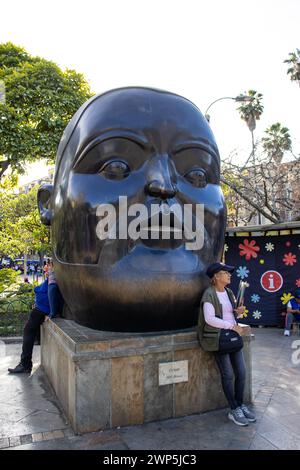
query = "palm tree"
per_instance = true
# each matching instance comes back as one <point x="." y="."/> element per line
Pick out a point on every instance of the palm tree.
<point x="276" y="142"/>
<point x="252" y="110"/>
<point x="294" y="69"/>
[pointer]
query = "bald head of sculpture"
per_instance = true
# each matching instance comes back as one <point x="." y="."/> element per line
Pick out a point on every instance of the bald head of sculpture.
<point x="132" y="147"/>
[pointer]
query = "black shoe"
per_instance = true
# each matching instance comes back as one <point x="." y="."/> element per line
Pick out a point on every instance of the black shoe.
<point x="20" y="369"/>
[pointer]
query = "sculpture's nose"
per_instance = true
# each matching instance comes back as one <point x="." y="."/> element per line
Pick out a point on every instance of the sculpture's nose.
<point x="161" y="178"/>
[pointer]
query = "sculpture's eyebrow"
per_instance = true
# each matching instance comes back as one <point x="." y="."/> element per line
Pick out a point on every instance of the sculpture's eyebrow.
<point x="113" y="134"/>
<point x="201" y="144"/>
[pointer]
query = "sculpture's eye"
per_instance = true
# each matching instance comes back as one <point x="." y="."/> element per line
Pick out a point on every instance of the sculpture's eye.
<point x="115" y="170"/>
<point x="197" y="177"/>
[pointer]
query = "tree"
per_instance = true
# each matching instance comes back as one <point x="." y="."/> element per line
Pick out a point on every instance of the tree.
<point x="276" y="142"/>
<point x="21" y="230"/>
<point x="268" y="188"/>
<point x="252" y="110"/>
<point x="40" y="101"/>
<point x="235" y="204"/>
<point x="294" y="70"/>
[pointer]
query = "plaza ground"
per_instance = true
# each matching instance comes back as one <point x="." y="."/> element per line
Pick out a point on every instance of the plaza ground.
<point x="31" y="417"/>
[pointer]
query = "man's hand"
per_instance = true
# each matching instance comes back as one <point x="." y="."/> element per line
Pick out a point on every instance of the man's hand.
<point x="47" y="318"/>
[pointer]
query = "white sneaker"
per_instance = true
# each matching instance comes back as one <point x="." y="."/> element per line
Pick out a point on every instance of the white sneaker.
<point x="286" y="333"/>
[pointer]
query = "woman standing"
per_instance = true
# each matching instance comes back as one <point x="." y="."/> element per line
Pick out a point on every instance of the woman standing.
<point x="217" y="311"/>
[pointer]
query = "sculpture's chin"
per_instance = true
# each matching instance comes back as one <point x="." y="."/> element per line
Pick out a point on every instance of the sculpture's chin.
<point x="145" y="259"/>
<point x="131" y="300"/>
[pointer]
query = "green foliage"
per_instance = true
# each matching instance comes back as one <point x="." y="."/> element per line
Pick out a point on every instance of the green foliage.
<point x="12" y="323"/>
<point x="251" y="111"/>
<point x="294" y="70"/>
<point x="14" y="312"/>
<point x="277" y="141"/>
<point x="21" y="230"/>
<point x="8" y="277"/>
<point x="13" y="56"/>
<point x="40" y="101"/>
<point x="16" y="299"/>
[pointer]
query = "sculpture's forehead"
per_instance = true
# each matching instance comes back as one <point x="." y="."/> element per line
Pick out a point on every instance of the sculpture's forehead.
<point x="143" y="110"/>
<point x="159" y="116"/>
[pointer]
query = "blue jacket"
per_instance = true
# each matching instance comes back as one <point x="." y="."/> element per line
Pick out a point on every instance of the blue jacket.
<point x="294" y="304"/>
<point x="41" y="297"/>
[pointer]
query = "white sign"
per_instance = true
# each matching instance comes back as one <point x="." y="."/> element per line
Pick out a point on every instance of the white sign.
<point x="173" y="372"/>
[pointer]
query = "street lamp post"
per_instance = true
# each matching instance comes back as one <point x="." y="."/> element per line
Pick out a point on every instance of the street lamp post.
<point x="237" y="99"/>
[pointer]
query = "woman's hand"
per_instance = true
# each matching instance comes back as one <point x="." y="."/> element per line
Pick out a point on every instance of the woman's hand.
<point x="240" y="311"/>
<point x="238" y="329"/>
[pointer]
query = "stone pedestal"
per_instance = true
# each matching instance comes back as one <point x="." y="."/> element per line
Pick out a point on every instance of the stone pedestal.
<point x="104" y="379"/>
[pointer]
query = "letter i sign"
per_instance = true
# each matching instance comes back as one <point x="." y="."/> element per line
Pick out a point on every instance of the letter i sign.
<point x="271" y="281"/>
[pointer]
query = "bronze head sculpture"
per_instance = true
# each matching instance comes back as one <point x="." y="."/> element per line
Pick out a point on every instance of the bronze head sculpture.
<point x="150" y="147"/>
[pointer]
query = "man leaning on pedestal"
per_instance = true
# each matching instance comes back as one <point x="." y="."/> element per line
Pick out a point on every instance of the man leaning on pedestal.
<point x="40" y="312"/>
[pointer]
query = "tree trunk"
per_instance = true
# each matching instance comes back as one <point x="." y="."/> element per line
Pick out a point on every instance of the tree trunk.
<point x="41" y="256"/>
<point x="3" y="167"/>
<point x="260" y="210"/>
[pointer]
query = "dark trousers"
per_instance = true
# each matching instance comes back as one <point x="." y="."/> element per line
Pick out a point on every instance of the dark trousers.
<point x="233" y="375"/>
<point x="31" y="332"/>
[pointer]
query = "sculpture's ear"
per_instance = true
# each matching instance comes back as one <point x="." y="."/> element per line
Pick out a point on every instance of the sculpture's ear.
<point x="43" y="199"/>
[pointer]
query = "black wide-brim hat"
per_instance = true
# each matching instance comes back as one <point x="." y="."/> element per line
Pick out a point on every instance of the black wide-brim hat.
<point x="216" y="267"/>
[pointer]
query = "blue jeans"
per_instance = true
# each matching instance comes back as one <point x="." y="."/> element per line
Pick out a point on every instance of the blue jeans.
<point x="232" y="369"/>
<point x="55" y="300"/>
<point x="291" y="318"/>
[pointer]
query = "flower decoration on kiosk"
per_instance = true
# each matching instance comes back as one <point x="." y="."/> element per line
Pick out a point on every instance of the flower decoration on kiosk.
<point x="249" y="249"/>
<point x="289" y="259"/>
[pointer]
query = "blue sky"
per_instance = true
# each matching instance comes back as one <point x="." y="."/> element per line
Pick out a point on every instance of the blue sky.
<point x="201" y="50"/>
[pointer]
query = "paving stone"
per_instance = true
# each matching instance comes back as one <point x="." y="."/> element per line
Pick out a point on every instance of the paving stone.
<point x="14" y="441"/>
<point x="56" y="444"/>
<point x="282" y="440"/>
<point x="47" y="436"/>
<point x="58" y="434"/>
<point x="13" y="413"/>
<point x="149" y="436"/>
<point x="4" y="442"/>
<point x="40" y="421"/>
<point x="291" y="422"/>
<point x="27" y="439"/>
<point x="97" y="441"/>
<point x="31" y="409"/>
<point x="68" y="432"/>
<point x="260" y="443"/>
